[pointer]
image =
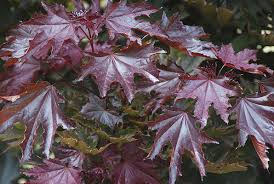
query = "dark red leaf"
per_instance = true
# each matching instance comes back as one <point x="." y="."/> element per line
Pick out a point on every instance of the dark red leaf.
<point x="71" y="157"/>
<point x="17" y="77"/>
<point x="156" y="103"/>
<point x="209" y="89"/>
<point x="169" y="82"/>
<point x="267" y="85"/>
<point x="179" y="128"/>
<point x="96" y="109"/>
<point x="37" y="106"/>
<point x="54" y="171"/>
<point x="133" y="173"/>
<point x="121" y="67"/>
<point x="185" y="37"/>
<point x="241" y="60"/>
<point x="180" y="36"/>
<point x="261" y="151"/>
<point x="255" y="117"/>
<point x="128" y="165"/>
<point x="168" y="85"/>
<point x="41" y="34"/>
<point x="70" y="54"/>
<point x="44" y="38"/>
<point x="120" y="18"/>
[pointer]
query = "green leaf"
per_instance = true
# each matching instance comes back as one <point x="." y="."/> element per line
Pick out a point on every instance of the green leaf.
<point x="222" y="168"/>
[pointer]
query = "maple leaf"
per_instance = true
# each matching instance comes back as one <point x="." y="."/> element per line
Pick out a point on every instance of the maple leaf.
<point x="54" y="171"/>
<point x="183" y="37"/>
<point x="69" y="55"/>
<point x="169" y="81"/>
<point x="120" y="18"/>
<point x="129" y="166"/>
<point x="178" y="128"/>
<point x="255" y="117"/>
<point x="168" y="85"/>
<point x="267" y="85"/>
<point x="20" y="74"/>
<point x="30" y="43"/>
<point x="70" y="156"/>
<point x="241" y="60"/>
<point x="121" y="67"/>
<point x="129" y="173"/>
<point x="208" y="89"/>
<point x="45" y="32"/>
<point x="96" y="109"/>
<point x="17" y="77"/>
<point x="101" y="47"/>
<point x="37" y="106"/>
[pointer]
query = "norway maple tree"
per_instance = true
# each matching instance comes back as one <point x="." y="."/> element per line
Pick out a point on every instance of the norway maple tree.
<point x="92" y="86"/>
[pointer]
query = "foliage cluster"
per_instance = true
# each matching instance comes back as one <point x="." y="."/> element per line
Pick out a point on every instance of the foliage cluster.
<point x="113" y="95"/>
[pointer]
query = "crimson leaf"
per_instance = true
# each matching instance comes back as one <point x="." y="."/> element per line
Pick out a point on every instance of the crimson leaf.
<point x="168" y="85"/>
<point x="169" y="81"/>
<point x="129" y="166"/>
<point x="121" y="67"/>
<point x="255" y="117"/>
<point x="54" y="171"/>
<point x="96" y="109"/>
<point x="267" y="85"/>
<point x="182" y="37"/>
<point x="37" y="106"/>
<point x="208" y="89"/>
<point x="178" y="128"/>
<point x="17" y="77"/>
<point x="120" y="18"/>
<point x="31" y="42"/>
<point x="45" y="31"/>
<point x="71" y="157"/>
<point x="241" y="60"/>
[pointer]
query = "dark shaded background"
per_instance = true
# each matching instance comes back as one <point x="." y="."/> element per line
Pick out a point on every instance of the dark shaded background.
<point x="245" y="23"/>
